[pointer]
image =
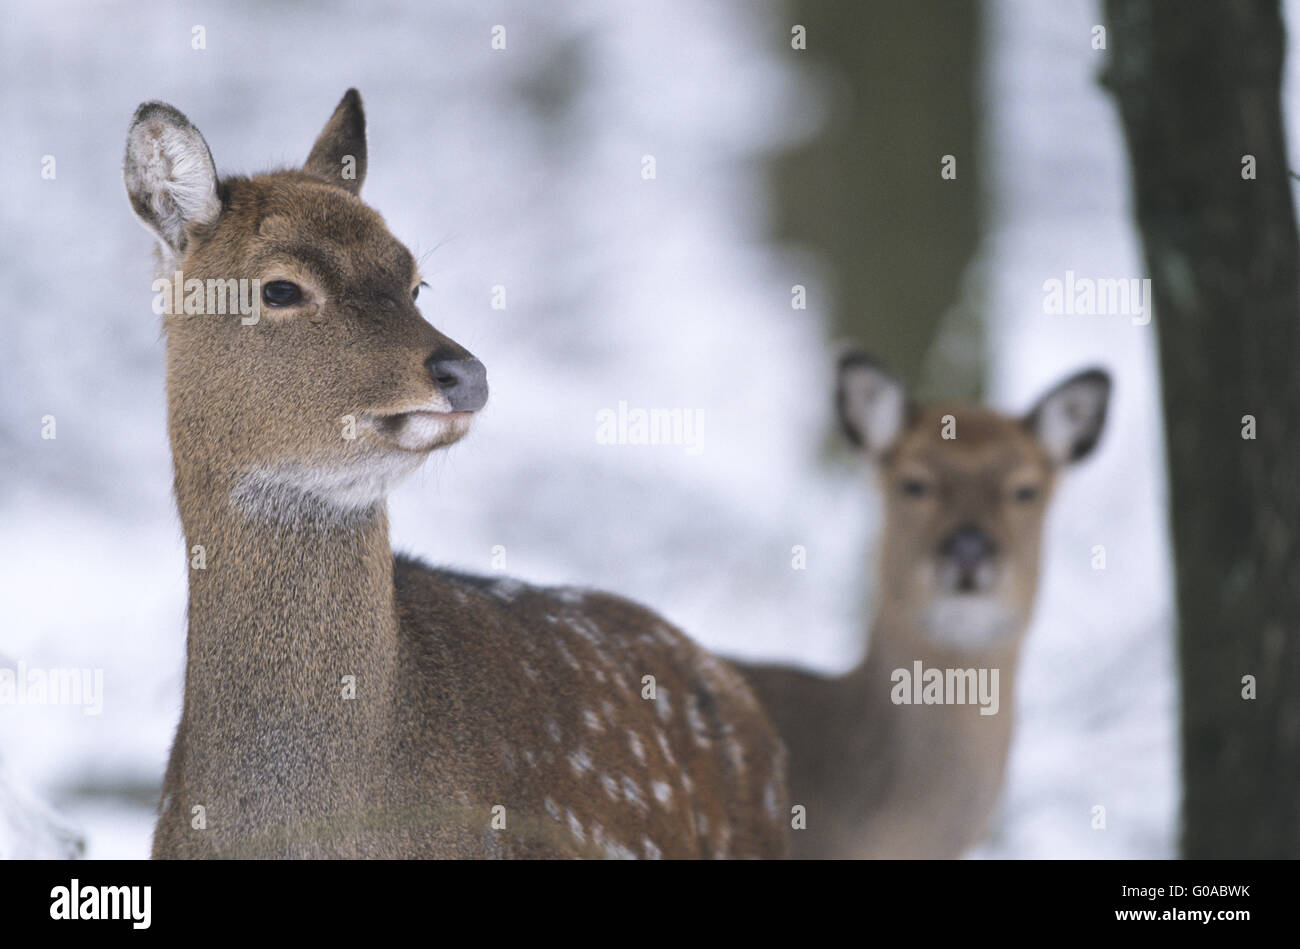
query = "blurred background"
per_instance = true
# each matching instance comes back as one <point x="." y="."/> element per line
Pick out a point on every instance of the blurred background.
<point x="522" y="171"/>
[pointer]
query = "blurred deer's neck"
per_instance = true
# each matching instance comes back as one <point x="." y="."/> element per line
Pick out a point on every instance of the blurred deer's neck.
<point x="963" y="743"/>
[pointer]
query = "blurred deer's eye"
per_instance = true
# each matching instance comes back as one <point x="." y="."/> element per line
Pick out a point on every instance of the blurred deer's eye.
<point x="1026" y="493"/>
<point x="915" y="488"/>
<point x="415" y="294"/>
<point x="281" y="293"/>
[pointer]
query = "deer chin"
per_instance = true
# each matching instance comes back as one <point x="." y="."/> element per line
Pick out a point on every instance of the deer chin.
<point x="969" y="621"/>
<point x="420" y="430"/>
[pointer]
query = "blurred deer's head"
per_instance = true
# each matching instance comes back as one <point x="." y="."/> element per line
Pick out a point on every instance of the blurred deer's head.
<point x="965" y="489"/>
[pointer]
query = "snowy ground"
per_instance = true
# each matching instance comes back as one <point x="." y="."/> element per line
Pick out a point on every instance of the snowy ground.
<point x="523" y="168"/>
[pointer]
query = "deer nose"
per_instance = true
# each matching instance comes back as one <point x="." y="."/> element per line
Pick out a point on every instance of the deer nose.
<point x="967" y="547"/>
<point x="463" y="381"/>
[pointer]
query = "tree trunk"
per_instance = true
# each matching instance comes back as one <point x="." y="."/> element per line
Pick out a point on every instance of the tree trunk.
<point x="867" y="193"/>
<point x="1198" y="88"/>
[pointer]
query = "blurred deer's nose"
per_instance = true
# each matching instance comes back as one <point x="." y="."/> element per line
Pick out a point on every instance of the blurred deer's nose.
<point x="967" y="547"/>
<point x="462" y="380"/>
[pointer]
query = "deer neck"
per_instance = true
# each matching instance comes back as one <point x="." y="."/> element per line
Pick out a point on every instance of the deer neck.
<point x="899" y="643"/>
<point x="916" y="749"/>
<point x="292" y="600"/>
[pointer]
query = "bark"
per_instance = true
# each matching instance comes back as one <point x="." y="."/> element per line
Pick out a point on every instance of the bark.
<point x="1198" y="88"/>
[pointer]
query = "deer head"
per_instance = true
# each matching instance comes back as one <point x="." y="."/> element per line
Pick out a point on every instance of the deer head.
<point x="332" y="385"/>
<point x="965" y="489"/>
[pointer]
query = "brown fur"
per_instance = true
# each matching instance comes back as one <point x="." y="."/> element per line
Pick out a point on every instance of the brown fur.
<point x="888" y="780"/>
<point x="470" y="693"/>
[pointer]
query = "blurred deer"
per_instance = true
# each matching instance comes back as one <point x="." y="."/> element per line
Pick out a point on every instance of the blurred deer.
<point x="904" y="755"/>
<point x="343" y="702"/>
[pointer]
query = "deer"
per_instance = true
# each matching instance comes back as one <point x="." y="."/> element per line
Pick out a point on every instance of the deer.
<point x="904" y="755"/>
<point x="343" y="701"/>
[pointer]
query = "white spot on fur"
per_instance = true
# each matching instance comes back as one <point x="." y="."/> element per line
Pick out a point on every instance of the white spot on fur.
<point x="592" y="722"/>
<point x="663" y="792"/>
<point x="566" y="655"/>
<point x="737" y="755"/>
<point x="725" y="680"/>
<point x="770" y="804"/>
<point x="637" y="745"/>
<point x="575" y="827"/>
<point x="616" y="851"/>
<point x="552" y="808"/>
<point x="508" y="588"/>
<point x="633" y="794"/>
<point x="553" y="729"/>
<point x="666" y="635"/>
<point x="666" y="748"/>
<point x="662" y="706"/>
<point x="699" y="730"/>
<point x="580" y="762"/>
<point x="651" y="851"/>
<point x="610" y="786"/>
<point x="587" y="629"/>
<point x="722" y="848"/>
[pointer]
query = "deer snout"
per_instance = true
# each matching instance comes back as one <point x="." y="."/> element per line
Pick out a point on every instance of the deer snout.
<point x="462" y="379"/>
<point x="968" y="555"/>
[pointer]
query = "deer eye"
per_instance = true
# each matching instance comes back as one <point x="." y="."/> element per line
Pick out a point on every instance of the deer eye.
<point x="915" y="488"/>
<point x="1026" y="493"/>
<point x="415" y="293"/>
<point x="281" y="293"/>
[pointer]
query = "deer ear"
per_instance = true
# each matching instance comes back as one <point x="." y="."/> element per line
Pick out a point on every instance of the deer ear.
<point x="169" y="175"/>
<point x="1069" y="419"/>
<point x="339" y="155"/>
<point x="871" y="402"/>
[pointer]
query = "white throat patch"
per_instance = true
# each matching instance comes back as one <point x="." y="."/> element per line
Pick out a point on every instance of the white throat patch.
<point x="969" y="621"/>
<point x="293" y="490"/>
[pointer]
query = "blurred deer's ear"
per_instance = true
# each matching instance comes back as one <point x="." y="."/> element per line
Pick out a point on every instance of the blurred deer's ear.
<point x="169" y="175"/>
<point x="1069" y="419"/>
<point x="339" y="155"/>
<point x="871" y="402"/>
